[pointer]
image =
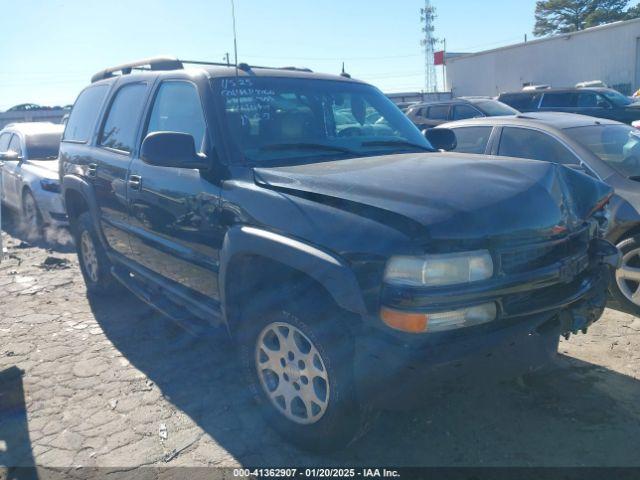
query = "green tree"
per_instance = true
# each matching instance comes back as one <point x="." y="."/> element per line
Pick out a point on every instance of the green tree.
<point x="564" y="16"/>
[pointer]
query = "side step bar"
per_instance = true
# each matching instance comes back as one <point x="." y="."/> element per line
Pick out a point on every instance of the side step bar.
<point x="159" y="299"/>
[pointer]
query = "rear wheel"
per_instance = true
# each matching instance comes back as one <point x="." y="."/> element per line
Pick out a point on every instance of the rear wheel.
<point x="625" y="286"/>
<point x="94" y="263"/>
<point x="299" y="365"/>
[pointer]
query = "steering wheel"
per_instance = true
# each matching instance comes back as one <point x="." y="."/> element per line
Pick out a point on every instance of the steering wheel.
<point x="350" y="132"/>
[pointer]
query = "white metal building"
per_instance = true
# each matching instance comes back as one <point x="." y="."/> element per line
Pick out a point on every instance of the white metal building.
<point x="610" y="53"/>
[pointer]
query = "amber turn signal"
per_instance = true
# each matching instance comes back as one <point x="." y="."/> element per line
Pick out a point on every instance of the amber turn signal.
<point x="406" y="322"/>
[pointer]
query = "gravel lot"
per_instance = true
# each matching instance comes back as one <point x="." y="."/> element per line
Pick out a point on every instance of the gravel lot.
<point x="111" y="383"/>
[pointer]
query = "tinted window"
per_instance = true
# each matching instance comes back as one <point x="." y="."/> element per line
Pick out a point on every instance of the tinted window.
<point x="119" y="129"/>
<point x="587" y="100"/>
<point x="472" y="139"/>
<point x="521" y="101"/>
<point x="532" y="144"/>
<point x="296" y="120"/>
<point x="84" y="114"/>
<point x="14" y="145"/>
<point x="557" y="100"/>
<point x="5" y="138"/>
<point x="439" y="112"/>
<point x="460" y="112"/>
<point x="43" y="146"/>
<point x="177" y="108"/>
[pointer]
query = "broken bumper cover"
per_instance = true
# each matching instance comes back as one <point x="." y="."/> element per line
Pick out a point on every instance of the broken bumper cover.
<point x="557" y="300"/>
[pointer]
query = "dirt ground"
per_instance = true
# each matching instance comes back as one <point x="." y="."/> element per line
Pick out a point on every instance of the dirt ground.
<point x="111" y="383"/>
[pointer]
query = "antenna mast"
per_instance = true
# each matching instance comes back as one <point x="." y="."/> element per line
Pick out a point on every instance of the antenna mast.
<point x="235" y="36"/>
<point x="427" y="17"/>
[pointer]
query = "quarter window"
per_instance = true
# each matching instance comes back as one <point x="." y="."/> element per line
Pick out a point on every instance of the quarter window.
<point x="472" y="139"/>
<point x="119" y="129"/>
<point x="85" y="113"/>
<point x="177" y="108"/>
<point x="535" y="145"/>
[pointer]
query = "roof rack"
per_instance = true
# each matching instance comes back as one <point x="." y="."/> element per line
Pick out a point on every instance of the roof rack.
<point x="170" y="63"/>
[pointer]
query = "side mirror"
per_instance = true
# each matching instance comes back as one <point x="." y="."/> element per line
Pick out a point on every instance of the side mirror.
<point x="10" y="156"/>
<point x="172" y="149"/>
<point x="441" y="138"/>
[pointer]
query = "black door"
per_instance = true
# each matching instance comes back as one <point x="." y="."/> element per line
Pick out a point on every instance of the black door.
<point x="174" y="211"/>
<point x="111" y="159"/>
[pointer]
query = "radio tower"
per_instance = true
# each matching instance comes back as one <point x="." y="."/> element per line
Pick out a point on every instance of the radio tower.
<point x="427" y="17"/>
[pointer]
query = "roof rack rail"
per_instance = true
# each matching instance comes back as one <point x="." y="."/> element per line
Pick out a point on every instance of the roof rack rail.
<point x="171" y="63"/>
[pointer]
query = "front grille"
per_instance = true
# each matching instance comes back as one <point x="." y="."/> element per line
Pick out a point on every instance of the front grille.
<point x="531" y="257"/>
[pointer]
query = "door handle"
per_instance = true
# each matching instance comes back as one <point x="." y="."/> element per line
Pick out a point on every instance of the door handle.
<point x="92" y="170"/>
<point x="135" y="182"/>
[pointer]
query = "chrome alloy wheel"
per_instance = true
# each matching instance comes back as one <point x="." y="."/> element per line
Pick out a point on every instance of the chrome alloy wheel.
<point x="292" y="373"/>
<point x="628" y="276"/>
<point x="89" y="256"/>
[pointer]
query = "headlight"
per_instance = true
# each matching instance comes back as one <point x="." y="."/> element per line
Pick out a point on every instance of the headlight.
<point x="437" y="270"/>
<point x="50" y="185"/>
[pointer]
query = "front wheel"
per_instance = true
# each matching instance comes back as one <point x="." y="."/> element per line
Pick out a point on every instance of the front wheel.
<point x="31" y="216"/>
<point x="300" y="370"/>
<point x="94" y="263"/>
<point x="625" y="284"/>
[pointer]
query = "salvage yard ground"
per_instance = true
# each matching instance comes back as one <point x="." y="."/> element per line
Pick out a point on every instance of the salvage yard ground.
<point x="111" y="383"/>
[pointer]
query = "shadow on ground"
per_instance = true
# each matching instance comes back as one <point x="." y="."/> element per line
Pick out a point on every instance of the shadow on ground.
<point x="55" y="239"/>
<point x="574" y="414"/>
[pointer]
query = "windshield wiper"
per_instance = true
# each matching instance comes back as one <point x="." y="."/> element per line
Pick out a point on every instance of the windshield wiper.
<point x="308" y="146"/>
<point x="395" y="143"/>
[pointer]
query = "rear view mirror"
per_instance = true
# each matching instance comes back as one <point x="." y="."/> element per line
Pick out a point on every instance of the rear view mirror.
<point x="441" y="138"/>
<point x="10" y="156"/>
<point x="172" y="149"/>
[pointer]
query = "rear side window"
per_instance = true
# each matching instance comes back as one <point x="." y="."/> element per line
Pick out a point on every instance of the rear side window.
<point x="439" y="112"/>
<point x="472" y="139"/>
<point x="84" y="114"/>
<point x="521" y="101"/>
<point x="461" y="112"/>
<point x="119" y="130"/>
<point x="557" y="100"/>
<point x="534" y="145"/>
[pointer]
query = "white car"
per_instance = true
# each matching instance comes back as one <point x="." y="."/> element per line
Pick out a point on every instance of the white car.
<point x="29" y="172"/>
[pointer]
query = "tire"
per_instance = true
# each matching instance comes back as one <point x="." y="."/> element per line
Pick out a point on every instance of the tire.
<point x="625" y="282"/>
<point x="32" y="222"/>
<point x="331" y="418"/>
<point x="94" y="263"/>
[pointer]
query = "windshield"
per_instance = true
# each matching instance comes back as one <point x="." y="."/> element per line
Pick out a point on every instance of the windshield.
<point x="617" y="145"/>
<point x="493" y="108"/>
<point x="43" y="146"/>
<point x="297" y="120"/>
<point x="616" y="98"/>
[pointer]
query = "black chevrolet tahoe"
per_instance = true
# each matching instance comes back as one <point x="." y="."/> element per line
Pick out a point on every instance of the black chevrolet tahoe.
<point x="350" y="262"/>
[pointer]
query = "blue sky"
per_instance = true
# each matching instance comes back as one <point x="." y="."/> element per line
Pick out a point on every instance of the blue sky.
<point x="52" y="51"/>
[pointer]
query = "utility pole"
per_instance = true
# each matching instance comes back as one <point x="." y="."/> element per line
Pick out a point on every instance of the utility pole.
<point x="427" y="17"/>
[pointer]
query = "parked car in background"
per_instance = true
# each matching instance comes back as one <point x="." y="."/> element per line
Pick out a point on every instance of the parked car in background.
<point x="30" y="180"/>
<point x="595" y="102"/>
<point x="605" y="149"/>
<point x="429" y="115"/>
<point x="351" y="266"/>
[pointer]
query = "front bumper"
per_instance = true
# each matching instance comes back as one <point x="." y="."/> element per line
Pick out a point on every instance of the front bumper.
<point x="51" y="208"/>
<point x="392" y="369"/>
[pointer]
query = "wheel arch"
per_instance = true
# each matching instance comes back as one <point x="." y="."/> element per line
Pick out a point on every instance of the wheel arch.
<point x="258" y="259"/>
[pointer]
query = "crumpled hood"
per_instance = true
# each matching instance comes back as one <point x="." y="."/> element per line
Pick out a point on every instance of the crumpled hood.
<point x="454" y="196"/>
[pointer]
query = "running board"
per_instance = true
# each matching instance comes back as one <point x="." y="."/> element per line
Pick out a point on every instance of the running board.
<point x="159" y="299"/>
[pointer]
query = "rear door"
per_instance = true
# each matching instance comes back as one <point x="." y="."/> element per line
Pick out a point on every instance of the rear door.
<point x="176" y="231"/>
<point x="534" y="144"/>
<point x="111" y="159"/>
